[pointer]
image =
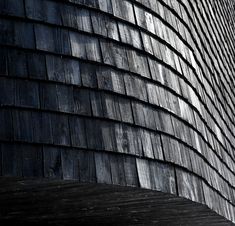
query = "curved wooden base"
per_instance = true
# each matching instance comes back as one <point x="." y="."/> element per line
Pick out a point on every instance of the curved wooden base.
<point x="54" y="202"/>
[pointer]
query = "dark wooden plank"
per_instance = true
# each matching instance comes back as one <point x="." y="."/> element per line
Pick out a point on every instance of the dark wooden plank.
<point x="87" y="166"/>
<point x="24" y="35"/>
<point x="42" y="128"/>
<point x="3" y="61"/>
<point x="88" y="75"/>
<point x="114" y="54"/>
<point x="17" y="60"/>
<point x="52" y="39"/>
<point x="36" y="66"/>
<point x="96" y="104"/>
<point x="91" y="3"/>
<point x="72" y="71"/>
<point x="65" y="98"/>
<point x="52" y="162"/>
<point x="6" y="128"/>
<point x="34" y="9"/>
<point x="48" y="96"/>
<point x="78" y="132"/>
<point x="125" y="110"/>
<point x="110" y="106"/>
<point x="62" y="41"/>
<point x="51" y="12"/>
<point x="162" y="177"/>
<point x="153" y="95"/>
<point x="143" y="173"/>
<point x="102" y="164"/>
<point x="117" y="170"/>
<point x="138" y="113"/>
<point x="135" y="146"/>
<point x="81" y="99"/>
<point x="135" y="87"/>
<point x="83" y="20"/>
<point x="147" y="144"/>
<point x="121" y="136"/>
<point x="60" y="129"/>
<point x="124" y="10"/>
<point x="7" y="92"/>
<point x="106" y="6"/>
<point x="32" y="160"/>
<point x="166" y="123"/>
<point x="69" y="15"/>
<point x="138" y="63"/>
<point x="157" y="146"/>
<point x="101" y="21"/>
<point x="147" y="42"/>
<point x="108" y="136"/>
<point x="69" y="163"/>
<point x="130" y="169"/>
<point x="189" y="186"/>
<point x="27" y="94"/>
<point x="92" y="48"/>
<point x="7" y="32"/>
<point x="78" y="45"/>
<point x="55" y="68"/>
<point x="23" y="126"/>
<point x="110" y="79"/>
<point x="11" y="160"/>
<point x="149" y="117"/>
<point x="155" y="69"/>
<point x="93" y="133"/>
<point x="129" y="35"/>
<point x="44" y="38"/>
<point x="12" y="7"/>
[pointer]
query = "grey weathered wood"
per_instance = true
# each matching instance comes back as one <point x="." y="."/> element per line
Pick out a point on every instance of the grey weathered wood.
<point x="6" y="129"/>
<point x="7" y="85"/>
<point x="31" y="161"/>
<point x="12" y="160"/>
<point x="42" y="128"/>
<point x="17" y="58"/>
<point x="93" y="131"/>
<point x="36" y="66"/>
<point x="23" y="127"/>
<point x="48" y="97"/>
<point x="27" y="94"/>
<point x="60" y="129"/>
<point x="132" y="93"/>
<point x="52" y="162"/>
<point x="104" y="25"/>
<point x="12" y="7"/>
<point x="102" y="165"/>
<point x="77" y="132"/>
<point x="117" y="170"/>
<point x="81" y="101"/>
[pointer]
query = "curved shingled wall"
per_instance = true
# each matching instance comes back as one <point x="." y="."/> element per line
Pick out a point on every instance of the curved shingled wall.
<point x="125" y="92"/>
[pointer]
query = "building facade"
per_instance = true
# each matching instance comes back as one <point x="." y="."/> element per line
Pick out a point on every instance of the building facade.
<point x="134" y="93"/>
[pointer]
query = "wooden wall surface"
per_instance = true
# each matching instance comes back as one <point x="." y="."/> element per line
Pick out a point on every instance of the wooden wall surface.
<point x="126" y="92"/>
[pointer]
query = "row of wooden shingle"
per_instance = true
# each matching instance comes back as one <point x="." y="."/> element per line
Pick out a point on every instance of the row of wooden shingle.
<point x="205" y="60"/>
<point x="85" y="48"/>
<point x="85" y="24"/>
<point x="25" y="126"/>
<point x="62" y="98"/>
<point x="57" y="68"/>
<point x="107" y="80"/>
<point x="89" y="166"/>
<point x="176" y="5"/>
<point x="82" y="47"/>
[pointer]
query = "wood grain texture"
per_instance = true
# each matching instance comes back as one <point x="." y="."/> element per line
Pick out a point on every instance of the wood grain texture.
<point x="135" y="93"/>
